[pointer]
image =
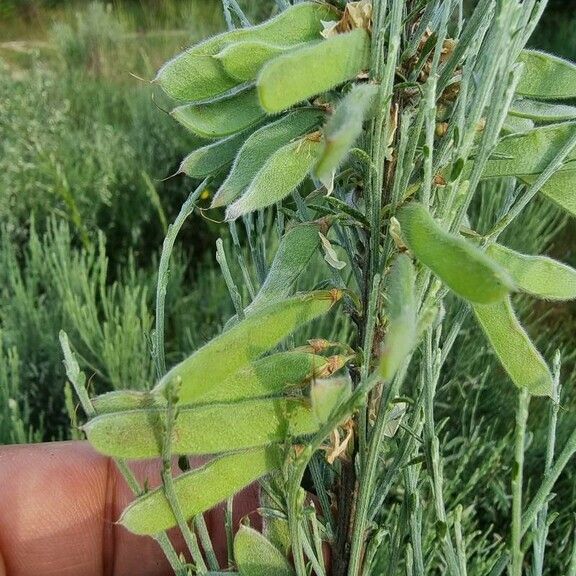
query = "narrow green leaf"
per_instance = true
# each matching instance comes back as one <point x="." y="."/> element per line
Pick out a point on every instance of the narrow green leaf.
<point x="560" y="188"/>
<point x="236" y="348"/>
<point x="221" y="117"/>
<point x="312" y="69"/>
<point x="280" y="175"/>
<point x="513" y="346"/>
<point x="257" y="556"/>
<point x="401" y="309"/>
<point x="343" y="129"/>
<point x="537" y="275"/>
<point x="243" y="60"/>
<point x="294" y="253"/>
<point x="546" y="77"/>
<point x="260" y="146"/>
<point x="196" y="75"/>
<point x="199" y="490"/>
<point x="213" y="157"/>
<point x="206" y="429"/>
<point x="542" y="111"/>
<point x="462" y="266"/>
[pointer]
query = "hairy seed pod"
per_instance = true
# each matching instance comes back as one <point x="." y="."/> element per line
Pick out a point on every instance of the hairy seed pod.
<point x="537" y="275"/>
<point x="243" y="60"/>
<point x="343" y="129"/>
<point x="199" y="490"/>
<point x="260" y="146"/>
<point x="312" y="69"/>
<point x="513" y="346"/>
<point x="463" y="267"/>
<point x="221" y="117"/>
<point x="280" y="175"/>
<point x="213" y="157"/>
<point x="546" y="77"/>
<point x="559" y="188"/>
<point x="136" y="434"/>
<point x="122" y="400"/>
<point x="294" y="253"/>
<point x="529" y="152"/>
<point x="255" y="555"/>
<point x="196" y="75"/>
<point x="224" y="355"/>
<point x="326" y="394"/>
<point x="542" y="111"/>
<point x="402" y="327"/>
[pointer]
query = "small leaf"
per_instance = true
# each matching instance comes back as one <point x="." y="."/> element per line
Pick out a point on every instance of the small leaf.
<point x="205" y="429"/>
<point x="313" y="69"/>
<point x="401" y="309"/>
<point x="222" y="117"/>
<point x="343" y="129"/>
<point x="213" y="157"/>
<point x="542" y="111"/>
<point x="257" y="556"/>
<point x="513" y="346"/>
<point x="462" y="266"/>
<point x="280" y="175"/>
<point x="546" y="77"/>
<point x="537" y="275"/>
<point x="196" y="75"/>
<point x="224" y="355"/>
<point x="294" y="253"/>
<point x="199" y="490"/>
<point x="260" y="146"/>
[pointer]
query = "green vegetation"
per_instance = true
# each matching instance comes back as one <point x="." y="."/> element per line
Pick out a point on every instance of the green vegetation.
<point x="84" y="149"/>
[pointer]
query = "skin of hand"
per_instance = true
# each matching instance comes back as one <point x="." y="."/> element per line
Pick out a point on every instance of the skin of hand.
<point x="58" y="506"/>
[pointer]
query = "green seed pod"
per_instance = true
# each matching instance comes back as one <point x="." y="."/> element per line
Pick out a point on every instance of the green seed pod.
<point x="222" y="117"/>
<point x="260" y="146"/>
<point x="213" y="157"/>
<point x="224" y="355"/>
<point x="206" y="429"/>
<point x="196" y="75"/>
<point x="513" y="346"/>
<point x="122" y="400"/>
<point x="515" y="125"/>
<point x="281" y="174"/>
<point x="326" y="394"/>
<point x="559" y="188"/>
<point x="542" y="111"/>
<point x="268" y="376"/>
<point x="312" y="69"/>
<point x="199" y="490"/>
<point x="537" y="275"/>
<point x="257" y="556"/>
<point x="343" y="129"/>
<point x="546" y="77"/>
<point x="243" y="60"/>
<point x="456" y="261"/>
<point x="529" y="152"/>
<point x="294" y="253"/>
<point x="401" y="311"/>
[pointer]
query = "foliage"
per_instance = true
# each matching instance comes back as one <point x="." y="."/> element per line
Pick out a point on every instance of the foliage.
<point x="402" y="261"/>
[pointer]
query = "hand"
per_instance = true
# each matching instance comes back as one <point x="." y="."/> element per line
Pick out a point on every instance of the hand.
<point x="58" y="506"/>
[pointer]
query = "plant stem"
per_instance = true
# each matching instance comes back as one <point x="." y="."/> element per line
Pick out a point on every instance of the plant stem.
<point x="517" y="476"/>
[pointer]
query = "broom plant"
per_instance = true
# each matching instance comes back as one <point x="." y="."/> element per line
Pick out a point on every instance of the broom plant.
<point x="352" y="138"/>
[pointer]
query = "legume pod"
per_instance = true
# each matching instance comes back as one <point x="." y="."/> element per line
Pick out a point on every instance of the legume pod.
<point x="200" y="490"/>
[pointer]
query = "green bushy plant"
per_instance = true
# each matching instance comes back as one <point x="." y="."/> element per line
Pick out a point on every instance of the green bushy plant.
<point x="421" y="116"/>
